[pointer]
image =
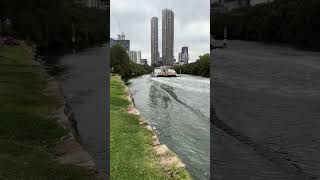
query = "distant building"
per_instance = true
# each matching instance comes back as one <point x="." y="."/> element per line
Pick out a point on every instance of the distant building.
<point x="138" y="57"/>
<point x="154" y="41"/>
<point x="133" y="56"/>
<point x="144" y="61"/>
<point x="121" y="41"/>
<point x="102" y="4"/>
<point x="167" y="37"/>
<point x="184" y="56"/>
<point x="222" y="6"/>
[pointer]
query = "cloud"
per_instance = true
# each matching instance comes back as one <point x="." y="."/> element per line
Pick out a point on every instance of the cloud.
<point x="192" y="24"/>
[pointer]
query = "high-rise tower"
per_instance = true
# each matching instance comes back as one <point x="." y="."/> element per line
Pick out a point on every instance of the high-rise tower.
<point x="167" y="37"/>
<point x="185" y="55"/>
<point x="154" y="41"/>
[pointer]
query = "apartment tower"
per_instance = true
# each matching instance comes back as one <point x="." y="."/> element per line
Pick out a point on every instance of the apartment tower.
<point x="154" y="41"/>
<point x="167" y="37"/>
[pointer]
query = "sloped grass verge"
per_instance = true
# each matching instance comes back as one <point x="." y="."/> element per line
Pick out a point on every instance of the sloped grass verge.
<point x="26" y="130"/>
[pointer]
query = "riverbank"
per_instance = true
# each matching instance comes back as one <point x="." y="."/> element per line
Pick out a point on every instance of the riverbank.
<point x="36" y="138"/>
<point x="136" y="152"/>
<point x="83" y="83"/>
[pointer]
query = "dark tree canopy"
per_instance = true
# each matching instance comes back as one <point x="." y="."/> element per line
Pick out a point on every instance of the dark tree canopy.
<point x="286" y="21"/>
<point x="49" y="23"/>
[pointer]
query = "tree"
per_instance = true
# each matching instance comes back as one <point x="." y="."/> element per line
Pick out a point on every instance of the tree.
<point x="120" y="63"/>
<point x="200" y="68"/>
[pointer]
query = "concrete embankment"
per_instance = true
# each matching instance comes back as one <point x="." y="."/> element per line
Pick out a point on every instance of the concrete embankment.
<point x="167" y="157"/>
<point x="68" y="150"/>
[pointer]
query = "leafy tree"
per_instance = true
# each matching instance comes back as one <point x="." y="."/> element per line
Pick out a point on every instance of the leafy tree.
<point x="120" y="64"/>
<point x="200" y="68"/>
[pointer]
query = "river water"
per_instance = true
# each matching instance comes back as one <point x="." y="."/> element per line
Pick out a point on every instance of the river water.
<point x="266" y="99"/>
<point x="179" y="109"/>
<point x="83" y="78"/>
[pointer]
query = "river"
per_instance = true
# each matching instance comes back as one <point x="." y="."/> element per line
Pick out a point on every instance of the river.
<point x="179" y="109"/>
<point x="266" y="99"/>
<point x="83" y="78"/>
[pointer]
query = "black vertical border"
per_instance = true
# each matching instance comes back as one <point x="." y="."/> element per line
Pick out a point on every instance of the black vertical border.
<point x="107" y="99"/>
<point x="212" y="111"/>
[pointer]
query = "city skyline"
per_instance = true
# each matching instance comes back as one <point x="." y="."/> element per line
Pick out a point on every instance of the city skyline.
<point x="191" y="26"/>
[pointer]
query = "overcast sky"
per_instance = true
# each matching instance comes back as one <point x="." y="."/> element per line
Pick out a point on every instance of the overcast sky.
<point x="191" y="28"/>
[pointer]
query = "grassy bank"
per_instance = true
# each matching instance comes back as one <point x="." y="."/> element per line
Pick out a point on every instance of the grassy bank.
<point x="131" y="151"/>
<point x="27" y="133"/>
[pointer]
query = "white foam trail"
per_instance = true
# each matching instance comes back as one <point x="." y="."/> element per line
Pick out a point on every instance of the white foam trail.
<point x="186" y="83"/>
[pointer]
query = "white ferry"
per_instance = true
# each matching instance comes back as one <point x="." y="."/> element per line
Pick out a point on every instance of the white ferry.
<point x="164" y="72"/>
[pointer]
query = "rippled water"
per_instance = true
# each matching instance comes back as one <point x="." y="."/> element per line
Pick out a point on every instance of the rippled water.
<point x="179" y="109"/>
<point x="267" y="100"/>
<point x="83" y="78"/>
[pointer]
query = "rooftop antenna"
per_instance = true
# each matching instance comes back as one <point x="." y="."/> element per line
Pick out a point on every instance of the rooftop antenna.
<point x="122" y="36"/>
<point x="119" y="27"/>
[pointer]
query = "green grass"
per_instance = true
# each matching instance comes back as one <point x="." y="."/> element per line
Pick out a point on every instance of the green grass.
<point x="131" y="154"/>
<point x="26" y="131"/>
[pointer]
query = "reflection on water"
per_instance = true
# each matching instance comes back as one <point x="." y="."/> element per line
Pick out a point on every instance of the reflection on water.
<point x="179" y="111"/>
<point x="267" y="103"/>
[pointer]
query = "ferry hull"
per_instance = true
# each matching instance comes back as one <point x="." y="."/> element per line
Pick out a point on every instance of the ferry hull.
<point x="164" y="72"/>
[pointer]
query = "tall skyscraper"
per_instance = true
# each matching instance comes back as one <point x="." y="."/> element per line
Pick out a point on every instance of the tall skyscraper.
<point x="154" y="41"/>
<point x="167" y="36"/>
